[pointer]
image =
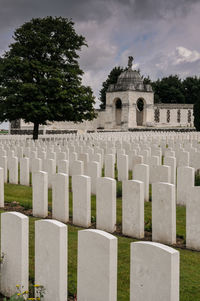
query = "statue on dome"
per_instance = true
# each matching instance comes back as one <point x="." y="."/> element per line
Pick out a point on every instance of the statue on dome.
<point x="130" y="62"/>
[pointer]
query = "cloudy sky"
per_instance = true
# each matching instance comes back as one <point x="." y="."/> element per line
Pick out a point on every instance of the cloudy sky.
<point x="162" y="35"/>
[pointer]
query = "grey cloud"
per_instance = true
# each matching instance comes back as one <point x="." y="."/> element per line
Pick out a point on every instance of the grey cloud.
<point x="17" y="11"/>
<point x="159" y="9"/>
<point x="115" y="29"/>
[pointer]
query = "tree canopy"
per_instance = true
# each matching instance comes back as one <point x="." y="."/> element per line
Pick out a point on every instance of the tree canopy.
<point x="196" y="113"/>
<point x="111" y="79"/>
<point x="170" y="89"/>
<point x="40" y="78"/>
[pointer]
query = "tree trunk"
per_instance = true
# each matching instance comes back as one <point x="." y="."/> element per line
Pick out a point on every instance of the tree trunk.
<point x="35" y="131"/>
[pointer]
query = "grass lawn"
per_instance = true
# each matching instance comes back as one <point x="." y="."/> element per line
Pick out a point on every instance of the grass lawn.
<point x="189" y="260"/>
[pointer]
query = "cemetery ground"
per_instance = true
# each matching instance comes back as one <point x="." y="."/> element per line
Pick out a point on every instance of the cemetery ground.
<point x="19" y="198"/>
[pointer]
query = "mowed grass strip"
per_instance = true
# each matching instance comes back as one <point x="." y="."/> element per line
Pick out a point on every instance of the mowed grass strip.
<point x="189" y="260"/>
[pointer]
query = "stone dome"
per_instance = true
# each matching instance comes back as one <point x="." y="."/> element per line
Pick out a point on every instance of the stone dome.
<point x="129" y="77"/>
<point x="129" y="80"/>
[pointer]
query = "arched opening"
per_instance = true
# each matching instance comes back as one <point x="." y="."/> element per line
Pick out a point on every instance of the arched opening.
<point x="140" y="111"/>
<point x="118" y="111"/>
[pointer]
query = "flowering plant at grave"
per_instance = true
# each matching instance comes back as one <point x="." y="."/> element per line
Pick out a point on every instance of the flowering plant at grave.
<point x="22" y="296"/>
<point x="1" y="258"/>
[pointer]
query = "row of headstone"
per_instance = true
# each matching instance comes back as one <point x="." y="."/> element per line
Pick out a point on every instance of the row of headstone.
<point x="96" y="153"/>
<point x="154" y="271"/>
<point x="147" y="151"/>
<point x="133" y="196"/>
<point x="133" y="212"/>
<point x="156" y="173"/>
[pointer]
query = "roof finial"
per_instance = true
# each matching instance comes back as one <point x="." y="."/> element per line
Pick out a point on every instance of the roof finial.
<point x="130" y="62"/>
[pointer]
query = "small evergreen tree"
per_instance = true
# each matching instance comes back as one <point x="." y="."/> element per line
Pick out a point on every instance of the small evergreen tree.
<point x="40" y="78"/>
<point x="112" y="79"/>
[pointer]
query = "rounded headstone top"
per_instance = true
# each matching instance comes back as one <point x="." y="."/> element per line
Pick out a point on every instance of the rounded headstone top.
<point x="129" y="80"/>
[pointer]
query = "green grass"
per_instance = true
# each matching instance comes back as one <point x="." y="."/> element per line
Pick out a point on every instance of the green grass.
<point x="189" y="260"/>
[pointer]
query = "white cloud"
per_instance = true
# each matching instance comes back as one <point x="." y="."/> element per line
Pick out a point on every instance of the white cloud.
<point x="185" y="55"/>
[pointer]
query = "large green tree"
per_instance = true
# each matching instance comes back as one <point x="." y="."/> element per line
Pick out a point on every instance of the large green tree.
<point x="40" y="78"/>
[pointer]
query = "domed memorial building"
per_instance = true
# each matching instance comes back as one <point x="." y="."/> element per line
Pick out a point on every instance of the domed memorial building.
<point x="129" y="105"/>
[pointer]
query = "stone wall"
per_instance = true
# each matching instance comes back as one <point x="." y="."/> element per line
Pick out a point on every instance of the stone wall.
<point x="159" y="115"/>
<point x="63" y="126"/>
<point x="173" y="115"/>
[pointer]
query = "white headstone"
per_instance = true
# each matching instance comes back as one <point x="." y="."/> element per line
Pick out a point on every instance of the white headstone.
<point x="122" y="167"/>
<point x="13" y="170"/>
<point x="40" y="194"/>
<point x="109" y="170"/>
<point x="24" y="171"/>
<point x="3" y="164"/>
<point x="154" y="272"/>
<point x="14" y="246"/>
<point x="185" y="181"/>
<point x="60" y="197"/>
<point x="133" y="208"/>
<point x="160" y="173"/>
<point x="63" y="166"/>
<point x="171" y="161"/>
<point x="163" y="213"/>
<point x="50" y="168"/>
<point x="81" y="187"/>
<point x="77" y="168"/>
<point x="192" y="219"/>
<point x="97" y="266"/>
<point x="106" y="204"/>
<point x="36" y="164"/>
<point x="1" y="187"/>
<point x="51" y="258"/>
<point x="93" y="171"/>
<point x="141" y="173"/>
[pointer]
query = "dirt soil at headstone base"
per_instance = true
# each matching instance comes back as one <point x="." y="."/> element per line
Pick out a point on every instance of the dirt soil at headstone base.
<point x="15" y="206"/>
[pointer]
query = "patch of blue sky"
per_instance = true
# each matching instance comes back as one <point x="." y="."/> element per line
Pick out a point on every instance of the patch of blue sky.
<point x="145" y="37"/>
<point x="126" y="42"/>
